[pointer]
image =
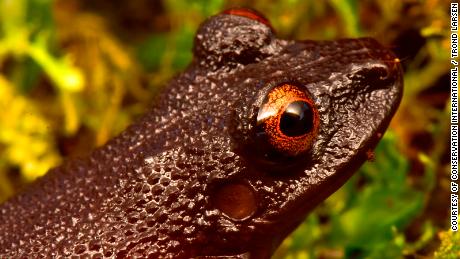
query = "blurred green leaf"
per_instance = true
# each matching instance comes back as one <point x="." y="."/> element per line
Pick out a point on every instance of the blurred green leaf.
<point x="368" y="220"/>
<point x="385" y="205"/>
<point x="184" y="44"/>
<point x="61" y="71"/>
<point x="151" y="52"/>
<point x="348" y="11"/>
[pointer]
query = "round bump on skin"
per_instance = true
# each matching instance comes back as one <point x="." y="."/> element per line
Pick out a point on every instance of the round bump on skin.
<point x="288" y="120"/>
<point x="236" y="200"/>
<point x="236" y="36"/>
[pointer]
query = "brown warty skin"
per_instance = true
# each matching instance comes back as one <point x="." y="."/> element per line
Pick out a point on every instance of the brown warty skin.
<point x="200" y="175"/>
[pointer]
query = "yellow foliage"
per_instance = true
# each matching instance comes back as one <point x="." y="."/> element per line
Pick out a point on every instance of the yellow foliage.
<point x="25" y="134"/>
<point x="450" y="245"/>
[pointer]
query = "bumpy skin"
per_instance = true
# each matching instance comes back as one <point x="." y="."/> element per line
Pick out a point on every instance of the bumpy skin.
<point x="149" y="192"/>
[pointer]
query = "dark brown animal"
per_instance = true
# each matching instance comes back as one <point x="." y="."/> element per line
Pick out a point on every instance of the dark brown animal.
<point x="230" y="159"/>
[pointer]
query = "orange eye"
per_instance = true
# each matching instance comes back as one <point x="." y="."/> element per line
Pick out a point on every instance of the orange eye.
<point x="288" y="120"/>
<point x="248" y="13"/>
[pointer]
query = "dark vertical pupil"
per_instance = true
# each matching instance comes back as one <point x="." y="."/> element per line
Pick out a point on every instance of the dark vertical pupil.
<point x="297" y="119"/>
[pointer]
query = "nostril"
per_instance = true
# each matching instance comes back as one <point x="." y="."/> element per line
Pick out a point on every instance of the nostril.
<point x="380" y="72"/>
<point x="377" y="75"/>
<point x="386" y="74"/>
<point x="372" y="73"/>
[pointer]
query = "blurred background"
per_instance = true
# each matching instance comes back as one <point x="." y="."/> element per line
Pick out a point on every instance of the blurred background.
<point x="74" y="73"/>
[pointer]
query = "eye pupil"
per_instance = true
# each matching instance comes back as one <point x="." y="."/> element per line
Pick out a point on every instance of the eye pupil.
<point x="297" y="119"/>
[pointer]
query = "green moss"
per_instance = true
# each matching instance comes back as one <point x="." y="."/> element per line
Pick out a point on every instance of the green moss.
<point x="450" y="245"/>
